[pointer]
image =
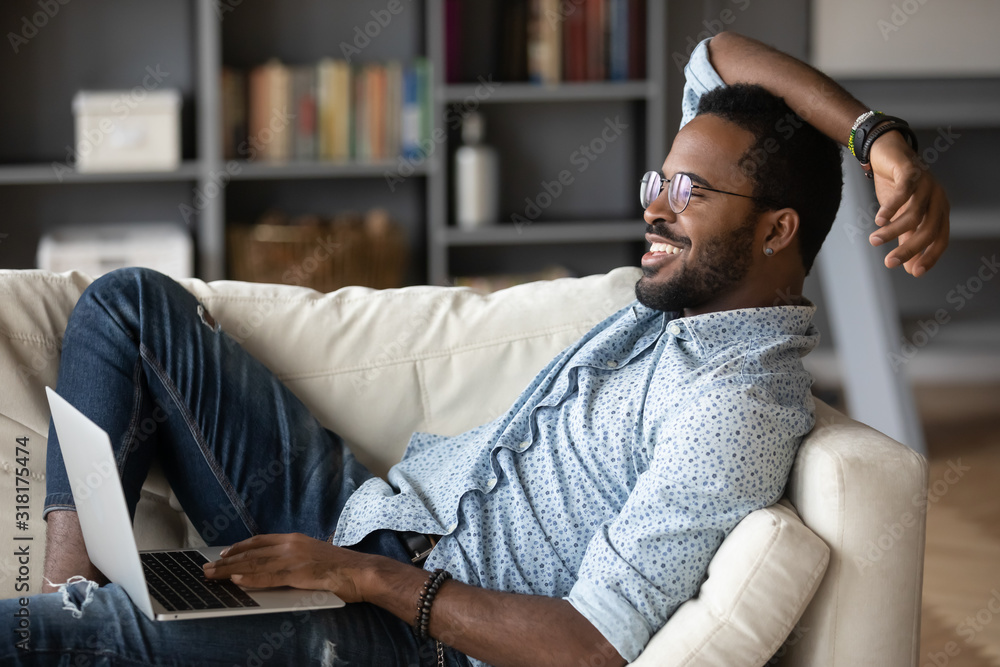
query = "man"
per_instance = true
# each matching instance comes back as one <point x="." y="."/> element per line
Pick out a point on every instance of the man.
<point x="574" y="524"/>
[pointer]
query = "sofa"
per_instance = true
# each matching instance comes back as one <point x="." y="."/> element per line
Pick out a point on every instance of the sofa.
<point x="831" y="575"/>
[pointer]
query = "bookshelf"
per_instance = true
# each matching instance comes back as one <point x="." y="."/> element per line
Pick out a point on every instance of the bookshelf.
<point x="594" y="226"/>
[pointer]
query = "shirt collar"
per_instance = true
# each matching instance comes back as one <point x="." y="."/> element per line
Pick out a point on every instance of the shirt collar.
<point x="710" y="332"/>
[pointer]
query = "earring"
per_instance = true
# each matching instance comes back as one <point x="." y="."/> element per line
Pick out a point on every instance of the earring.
<point x="768" y="251"/>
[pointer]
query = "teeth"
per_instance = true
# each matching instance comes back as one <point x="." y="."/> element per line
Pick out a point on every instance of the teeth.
<point x="664" y="247"/>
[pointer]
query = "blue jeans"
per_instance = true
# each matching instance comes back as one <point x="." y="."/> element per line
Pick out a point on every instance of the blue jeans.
<point x="148" y="363"/>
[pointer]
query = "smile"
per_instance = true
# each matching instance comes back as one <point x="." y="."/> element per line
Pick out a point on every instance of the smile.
<point x="664" y="247"/>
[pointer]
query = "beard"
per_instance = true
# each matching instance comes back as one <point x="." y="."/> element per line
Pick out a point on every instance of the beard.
<point x="726" y="264"/>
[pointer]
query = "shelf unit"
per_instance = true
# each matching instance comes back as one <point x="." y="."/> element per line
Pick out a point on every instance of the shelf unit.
<point x="536" y="129"/>
<point x="193" y="39"/>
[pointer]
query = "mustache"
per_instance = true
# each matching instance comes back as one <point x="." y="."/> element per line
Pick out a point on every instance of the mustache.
<point x="662" y="230"/>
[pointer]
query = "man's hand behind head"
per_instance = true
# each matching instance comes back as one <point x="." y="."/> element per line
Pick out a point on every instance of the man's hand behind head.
<point x="913" y="206"/>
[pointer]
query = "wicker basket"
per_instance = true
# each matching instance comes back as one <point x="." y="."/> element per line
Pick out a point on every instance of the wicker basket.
<point x="349" y="250"/>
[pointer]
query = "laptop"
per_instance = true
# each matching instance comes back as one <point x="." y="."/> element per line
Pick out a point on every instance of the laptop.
<point x="166" y="585"/>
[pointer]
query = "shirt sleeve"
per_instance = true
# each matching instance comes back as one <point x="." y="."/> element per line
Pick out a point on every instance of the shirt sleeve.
<point x="699" y="78"/>
<point x="724" y="455"/>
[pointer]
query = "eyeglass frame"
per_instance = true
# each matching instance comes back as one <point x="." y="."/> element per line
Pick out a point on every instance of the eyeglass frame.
<point x="649" y="175"/>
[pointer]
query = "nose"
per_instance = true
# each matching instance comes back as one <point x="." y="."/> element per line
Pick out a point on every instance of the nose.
<point x="659" y="210"/>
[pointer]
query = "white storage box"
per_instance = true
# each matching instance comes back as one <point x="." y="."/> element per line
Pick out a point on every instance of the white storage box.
<point x="127" y="130"/>
<point x="97" y="249"/>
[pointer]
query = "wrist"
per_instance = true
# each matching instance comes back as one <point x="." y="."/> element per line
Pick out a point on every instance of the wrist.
<point x="890" y="141"/>
<point x="392" y="585"/>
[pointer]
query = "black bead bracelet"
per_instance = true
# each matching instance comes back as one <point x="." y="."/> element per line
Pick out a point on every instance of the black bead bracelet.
<point x="423" y="619"/>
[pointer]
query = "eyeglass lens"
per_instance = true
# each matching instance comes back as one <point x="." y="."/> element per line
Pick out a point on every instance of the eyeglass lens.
<point x="678" y="192"/>
<point x="650" y="188"/>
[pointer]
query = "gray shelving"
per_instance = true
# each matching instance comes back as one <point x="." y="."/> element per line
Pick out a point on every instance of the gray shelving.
<point x="593" y="225"/>
<point x="41" y="174"/>
<point x="563" y="92"/>
<point x="318" y="169"/>
<point x="192" y="40"/>
<point x="550" y="232"/>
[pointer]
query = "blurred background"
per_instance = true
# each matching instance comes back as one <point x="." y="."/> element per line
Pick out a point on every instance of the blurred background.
<point x="451" y="142"/>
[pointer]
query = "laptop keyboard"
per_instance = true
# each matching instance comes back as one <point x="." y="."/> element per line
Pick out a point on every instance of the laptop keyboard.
<point x="177" y="581"/>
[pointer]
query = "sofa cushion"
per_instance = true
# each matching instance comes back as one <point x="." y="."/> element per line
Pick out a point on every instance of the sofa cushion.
<point x="759" y="583"/>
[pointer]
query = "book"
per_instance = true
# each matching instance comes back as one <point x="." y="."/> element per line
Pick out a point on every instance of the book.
<point x="410" y="123"/>
<point x="422" y="66"/>
<point x="303" y="98"/>
<point x="596" y="39"/>
<point x="535" y="55"/>
<point x="329" y="110"/>
<point x="513" y="56"/>
<point x="551" y="29"/>
<point x="637" y="39"/>
<point x="393" y="107"/>
<point x="452" y="40"/>
<point x="618" y="36"/>
<point x="575" y="44"/>
<point x="234" y="112"/>
<point x="270" y="118"/>
<point x="361" y="136"/>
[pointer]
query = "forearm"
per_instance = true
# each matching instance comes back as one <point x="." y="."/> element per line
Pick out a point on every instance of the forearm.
<point x="498" y="628"/>
<point x="814" y="96"/>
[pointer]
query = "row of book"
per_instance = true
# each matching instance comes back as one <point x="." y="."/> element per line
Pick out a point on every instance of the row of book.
<point x="549" y="41"/>
<point x="331" y="110"/>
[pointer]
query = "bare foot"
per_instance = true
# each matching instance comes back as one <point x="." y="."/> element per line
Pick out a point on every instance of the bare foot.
<point x="65" y="551"/>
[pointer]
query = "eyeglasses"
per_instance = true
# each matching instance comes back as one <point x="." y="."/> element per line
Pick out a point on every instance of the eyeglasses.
<point x="679" y="192"/>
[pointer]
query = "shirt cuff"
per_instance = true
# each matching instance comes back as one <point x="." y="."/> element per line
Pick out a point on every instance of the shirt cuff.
<point x="699" y="78"/>
<point x="624" y="628"/>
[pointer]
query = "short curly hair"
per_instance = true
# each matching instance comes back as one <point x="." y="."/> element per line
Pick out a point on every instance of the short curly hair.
<point x="790" y="164"/>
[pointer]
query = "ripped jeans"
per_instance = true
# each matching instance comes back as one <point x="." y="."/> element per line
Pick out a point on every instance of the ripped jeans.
<point x="148" y="363"/>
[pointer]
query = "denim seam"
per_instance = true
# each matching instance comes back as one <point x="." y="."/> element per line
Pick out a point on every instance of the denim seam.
<point x="129" y="437"/>
<point x="199" y="439"/>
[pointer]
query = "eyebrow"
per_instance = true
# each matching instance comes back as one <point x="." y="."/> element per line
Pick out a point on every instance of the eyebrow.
<point x="695" y="178"/>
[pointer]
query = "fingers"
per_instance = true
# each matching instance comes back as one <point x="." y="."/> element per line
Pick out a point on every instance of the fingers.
<point x="251" y="561"/>
<point x="251" y="555"/>
<point x="919" y="251"/>
<point x="261" y="541"/>
<point x="901" y="189"/>
<point x="908" y="214"/>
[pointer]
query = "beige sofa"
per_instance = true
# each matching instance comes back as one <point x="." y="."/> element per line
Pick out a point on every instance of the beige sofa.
<point x="375" y="366"/>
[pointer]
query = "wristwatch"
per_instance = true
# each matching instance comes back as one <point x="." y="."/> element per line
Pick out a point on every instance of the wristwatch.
<point x="870" y="126"/>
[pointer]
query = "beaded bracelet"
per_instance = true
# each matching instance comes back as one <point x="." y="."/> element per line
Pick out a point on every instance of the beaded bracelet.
<point x="427" y="594"/>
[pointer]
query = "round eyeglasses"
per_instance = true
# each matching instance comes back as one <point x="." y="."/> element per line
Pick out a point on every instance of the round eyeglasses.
<point x="679" y="192"/>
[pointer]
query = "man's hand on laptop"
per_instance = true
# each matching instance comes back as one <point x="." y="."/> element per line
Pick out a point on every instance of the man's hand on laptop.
<point x="292" y="559"/>
<point x="914" y="207"/>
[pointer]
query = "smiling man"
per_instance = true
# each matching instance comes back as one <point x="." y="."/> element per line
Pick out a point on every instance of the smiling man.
<point x="570" y="528"/>
<point x="726" y="232"/>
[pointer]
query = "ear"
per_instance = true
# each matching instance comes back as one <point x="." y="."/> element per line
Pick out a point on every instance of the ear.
<point x="781" y="229"/>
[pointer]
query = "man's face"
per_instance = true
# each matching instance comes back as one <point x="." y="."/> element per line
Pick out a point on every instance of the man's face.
<point x="715" y="233"/>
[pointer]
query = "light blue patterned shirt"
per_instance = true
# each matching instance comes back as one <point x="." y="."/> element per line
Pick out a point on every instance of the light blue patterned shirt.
<point x="616" y="474"/>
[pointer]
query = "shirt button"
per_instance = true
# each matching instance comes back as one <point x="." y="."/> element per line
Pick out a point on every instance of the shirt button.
<point x="612" y="364"/>
<point x="491" y="482"/>
<point x="451" y="529"/>
<point x="674" y="329"/>
<point x="524" y="445"/>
